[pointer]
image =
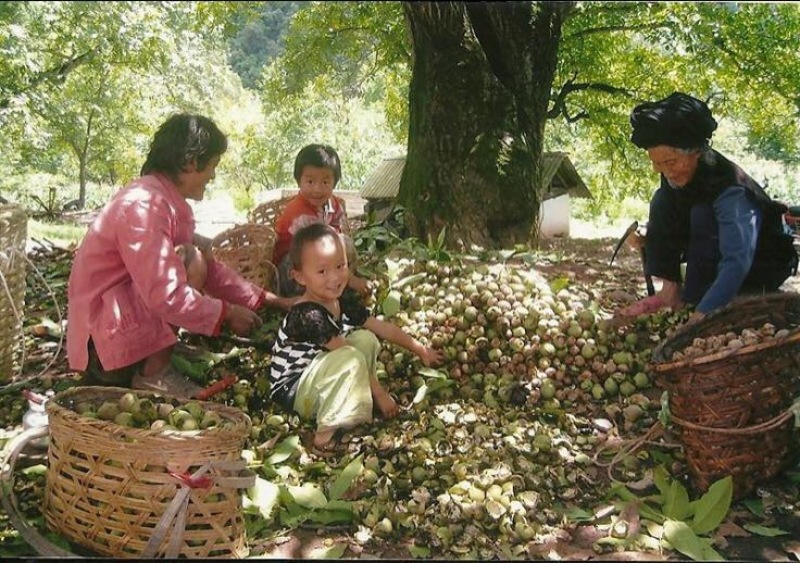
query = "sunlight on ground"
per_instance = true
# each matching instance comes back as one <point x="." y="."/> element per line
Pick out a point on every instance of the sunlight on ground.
<point x="62" y="235"/>
<point x="590" y="230"/>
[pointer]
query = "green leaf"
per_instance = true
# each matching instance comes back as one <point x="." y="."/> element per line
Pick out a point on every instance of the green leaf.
<point x="764" y="531"/>
<point x="661" y="479"/>
<point x="263" y="496"/>
<point x="558" y="284"/>
<point x="506" y="254"/>
<point x="650" y="513"/>
<point x="441" y="237"/>
<point x="345" y="478"/>
<point x="676" y="502"/>
<point x="284" y="450"/>
<point x="754" y="505"/>
<point x="622" y="492"/>
<point x="391" y="304"/>
<point x="307" y="495"/>
<point x="579" y="514"/>
<point x="440" y="384"/>
<point x="710" y="509"/>
<point x="409" y="279"/>
<point x="682" y="538"/>
<point x="327" y="517"/>
<point x="430" y="372"/>
<point x="195" y="370"/>
<point x="419" y="396"/>
<point x="294" y="515"/>
<point x="333" y="552"/>
<point x="418" y="552"/>
<point x="665" y="414"/>
<point x="37" y="469"/>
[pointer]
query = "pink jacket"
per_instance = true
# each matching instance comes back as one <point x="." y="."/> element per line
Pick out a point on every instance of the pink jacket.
<point x="128" y="286"/>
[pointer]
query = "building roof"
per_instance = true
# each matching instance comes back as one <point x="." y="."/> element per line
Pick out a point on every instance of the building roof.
<point x="558" y="174"/>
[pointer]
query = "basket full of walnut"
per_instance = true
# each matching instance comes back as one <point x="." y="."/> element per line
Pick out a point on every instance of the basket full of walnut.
<point x="126" y="487"/>
<point x="732" y="378"/>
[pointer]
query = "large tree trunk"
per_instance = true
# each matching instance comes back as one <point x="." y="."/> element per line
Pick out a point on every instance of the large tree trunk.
<point x="474" y="145"/>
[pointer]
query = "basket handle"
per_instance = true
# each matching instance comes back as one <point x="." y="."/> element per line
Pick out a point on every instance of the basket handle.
<point x="28" y="532"/>
<point x="174" y="518"/>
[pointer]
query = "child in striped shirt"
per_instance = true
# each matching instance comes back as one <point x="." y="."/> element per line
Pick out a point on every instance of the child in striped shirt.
<point x="323" y="364"/>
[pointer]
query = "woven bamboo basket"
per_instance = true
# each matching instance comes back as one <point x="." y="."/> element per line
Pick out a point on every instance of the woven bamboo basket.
<point x="13" y="233"/>
<point x="268" y="212"/>
<point x="733" y="406"/>
<point x="124" y="492"/>
<point x="248" y="250"/>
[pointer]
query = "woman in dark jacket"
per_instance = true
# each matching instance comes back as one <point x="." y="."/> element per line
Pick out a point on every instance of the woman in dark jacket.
<point x="707" y="212"/>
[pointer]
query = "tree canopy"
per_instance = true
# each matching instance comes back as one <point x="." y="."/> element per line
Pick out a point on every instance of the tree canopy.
<point x="83" y="84"/>
<point x="611" y="56"/>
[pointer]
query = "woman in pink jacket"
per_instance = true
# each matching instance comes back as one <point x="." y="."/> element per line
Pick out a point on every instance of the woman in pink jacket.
<point x="141" y="271"/>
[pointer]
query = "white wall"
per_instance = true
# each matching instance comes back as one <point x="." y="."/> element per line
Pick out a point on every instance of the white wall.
<point x="554" y="217"/>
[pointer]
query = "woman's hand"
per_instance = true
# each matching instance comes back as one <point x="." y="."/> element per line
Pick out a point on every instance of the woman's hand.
<point x="241" y="320"/>
<point x="431" y="357"/>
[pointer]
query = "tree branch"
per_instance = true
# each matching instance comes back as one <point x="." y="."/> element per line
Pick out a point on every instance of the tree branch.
<point x="559" y="104"/>
<point x="58" y="73"/>
<point x="615" y="28"/>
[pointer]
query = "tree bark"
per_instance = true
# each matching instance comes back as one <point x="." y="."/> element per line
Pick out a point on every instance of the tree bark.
<point x="476" y="119"/>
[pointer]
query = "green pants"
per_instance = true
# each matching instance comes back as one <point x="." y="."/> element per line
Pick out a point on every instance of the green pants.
<point x="335" y="390"/>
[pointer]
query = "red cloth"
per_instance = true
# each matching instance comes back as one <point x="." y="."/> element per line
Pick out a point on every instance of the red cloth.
<point x="128" y="288"/>
<point x="299" y="213"/>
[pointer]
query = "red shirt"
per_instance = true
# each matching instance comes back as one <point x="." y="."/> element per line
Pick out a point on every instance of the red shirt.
<point x="299" y="213"/>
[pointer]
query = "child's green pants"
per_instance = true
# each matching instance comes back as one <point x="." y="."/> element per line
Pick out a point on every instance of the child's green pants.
<point x="334" y="389"/>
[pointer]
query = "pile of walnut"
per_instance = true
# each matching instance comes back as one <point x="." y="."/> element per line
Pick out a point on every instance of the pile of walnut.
<point x="729" y="341"/>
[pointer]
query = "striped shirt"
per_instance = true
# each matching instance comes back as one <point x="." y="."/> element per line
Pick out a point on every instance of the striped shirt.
<point x="302" y="337"/>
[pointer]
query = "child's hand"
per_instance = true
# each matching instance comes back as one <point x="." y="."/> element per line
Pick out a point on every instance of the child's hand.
<point x="431" y="357"/>
<point x="360" y="285"/>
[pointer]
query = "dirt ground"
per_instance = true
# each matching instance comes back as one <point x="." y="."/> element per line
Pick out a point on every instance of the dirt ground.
<point x="584" y="260"/>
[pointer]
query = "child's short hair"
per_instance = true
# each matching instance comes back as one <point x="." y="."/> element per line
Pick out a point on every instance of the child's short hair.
<point x="309" y="233"/>
<point x="321" y="156"/>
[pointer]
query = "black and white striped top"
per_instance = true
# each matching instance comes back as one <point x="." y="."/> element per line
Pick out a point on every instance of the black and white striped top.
<point x="302" y="336"/>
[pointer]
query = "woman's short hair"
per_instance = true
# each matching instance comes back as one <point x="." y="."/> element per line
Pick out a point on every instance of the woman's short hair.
<point x="183" y="139"/>
<point x="321" y="156"/>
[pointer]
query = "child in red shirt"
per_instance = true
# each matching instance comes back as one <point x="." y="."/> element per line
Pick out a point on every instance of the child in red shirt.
<point x="317" y="170"/>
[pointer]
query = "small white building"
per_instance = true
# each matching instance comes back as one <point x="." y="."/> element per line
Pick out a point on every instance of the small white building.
<point x="558" y="174"/>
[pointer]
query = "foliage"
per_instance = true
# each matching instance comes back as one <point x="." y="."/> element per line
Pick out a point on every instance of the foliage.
<point x="678" y="523"/>
<point x="348" y="49"/>
<point x="612" y="56"/>
<point x="260" y="39"/>
<point x="354" y="128"/>
<point x="83" y="99"/>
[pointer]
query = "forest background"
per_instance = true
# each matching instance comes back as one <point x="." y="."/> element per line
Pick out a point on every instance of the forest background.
<point x="84" y="84"/>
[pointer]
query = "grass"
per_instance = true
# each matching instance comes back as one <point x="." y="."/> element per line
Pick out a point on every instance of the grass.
<point x="60" y="234"/>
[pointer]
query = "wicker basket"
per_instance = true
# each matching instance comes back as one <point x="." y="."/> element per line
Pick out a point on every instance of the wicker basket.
<point x="248" y="250"/>
<point x="13" y="233"/>
<point x="268" y="212"/>
<point x="732" y="406"/>
<point x="123" y="492"/>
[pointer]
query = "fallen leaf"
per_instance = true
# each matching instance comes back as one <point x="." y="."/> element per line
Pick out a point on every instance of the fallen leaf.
<point x="764" y="530"/>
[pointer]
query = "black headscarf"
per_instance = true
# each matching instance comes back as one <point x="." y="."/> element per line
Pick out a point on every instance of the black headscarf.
<point x="679" y="121"/>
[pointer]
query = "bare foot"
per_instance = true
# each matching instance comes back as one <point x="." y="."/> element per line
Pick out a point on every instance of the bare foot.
<point x="385" y="403"/>
<point x="322" y="437"/>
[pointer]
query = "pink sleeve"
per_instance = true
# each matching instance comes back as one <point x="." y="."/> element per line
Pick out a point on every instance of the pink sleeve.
<point x="226" y="283"/>
<point x="145" y="242"/>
